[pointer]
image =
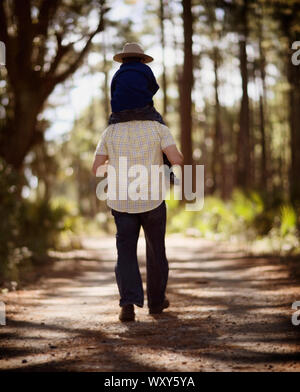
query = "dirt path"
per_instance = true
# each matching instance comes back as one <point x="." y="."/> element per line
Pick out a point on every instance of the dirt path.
<point x="228" y="313"/>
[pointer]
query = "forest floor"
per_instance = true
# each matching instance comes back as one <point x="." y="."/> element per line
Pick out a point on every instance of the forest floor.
<point x="228" y="312"/>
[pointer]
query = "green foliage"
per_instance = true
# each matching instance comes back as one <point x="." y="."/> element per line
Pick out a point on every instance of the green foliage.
<point x="9" y="207"/>
<point x="246" y="216"/>
<point x="288" y="220"/>
<point x="27" y="228"/>
<point x="247" y="207"/>
<point x="219" y="217"/>
<point x="39" y="225"/>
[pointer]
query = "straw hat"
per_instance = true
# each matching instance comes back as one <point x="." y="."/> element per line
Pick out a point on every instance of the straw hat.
<point x="132" y="50"/>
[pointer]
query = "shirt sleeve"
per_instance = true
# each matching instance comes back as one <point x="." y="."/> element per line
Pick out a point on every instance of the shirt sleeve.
<point x="102" y="146"/>
<point x="166" y="137"/>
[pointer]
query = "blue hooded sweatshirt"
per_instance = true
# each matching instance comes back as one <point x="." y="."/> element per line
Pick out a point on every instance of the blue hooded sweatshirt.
<point x="133" y="86"/>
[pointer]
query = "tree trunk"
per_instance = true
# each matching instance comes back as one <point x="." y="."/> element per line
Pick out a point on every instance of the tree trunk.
<point x="23" y="136"/>
<point x="164" y="75"/>
<point x="262" y="111"/>
<point x="243" y="148"/>
<point x="30" y="85"/>
<point x="294" y="119"/>
<point x="219" y="173"/>
<point x="106" y="100"/>
<point x="186" y="85"/>
<point x="288" y="22"/>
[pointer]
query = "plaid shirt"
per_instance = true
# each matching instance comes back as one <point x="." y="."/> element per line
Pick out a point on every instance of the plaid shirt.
<point x="141" y="143"/>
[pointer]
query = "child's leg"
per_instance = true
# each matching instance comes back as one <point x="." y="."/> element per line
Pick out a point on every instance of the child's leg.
<point x="160" y="119"/>
<point x="166" y="160"/>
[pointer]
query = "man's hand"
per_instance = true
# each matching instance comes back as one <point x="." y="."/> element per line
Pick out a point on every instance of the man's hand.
<point x="98" y="161"/>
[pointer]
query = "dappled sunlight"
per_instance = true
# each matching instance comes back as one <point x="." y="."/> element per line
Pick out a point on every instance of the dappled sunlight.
<point x="127" y="85"/>
<point x="220" y="318"/>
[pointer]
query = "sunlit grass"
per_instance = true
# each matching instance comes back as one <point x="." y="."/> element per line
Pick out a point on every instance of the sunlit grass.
<point x="245" y="217"/>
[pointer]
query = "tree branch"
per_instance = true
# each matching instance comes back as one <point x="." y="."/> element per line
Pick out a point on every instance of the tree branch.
<point x="22" y="10"/>
<point x="73" y="67"/>
<point x="3" y="24"/>
<point x="47" y="10"/>
<point x="62" y="50"/>
<point x="9" y="43"/>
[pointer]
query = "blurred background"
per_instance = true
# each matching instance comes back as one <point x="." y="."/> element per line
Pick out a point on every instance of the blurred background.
<point x="229" y="79"/>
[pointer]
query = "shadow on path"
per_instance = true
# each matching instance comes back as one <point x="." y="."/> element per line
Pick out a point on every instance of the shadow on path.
<point x="228" y="312"/>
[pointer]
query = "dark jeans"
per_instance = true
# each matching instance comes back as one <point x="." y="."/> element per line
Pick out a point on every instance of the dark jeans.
<point x="127" y="271"/>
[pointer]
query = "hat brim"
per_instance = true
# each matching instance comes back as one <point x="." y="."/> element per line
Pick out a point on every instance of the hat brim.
<point x="119" y="56"/>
